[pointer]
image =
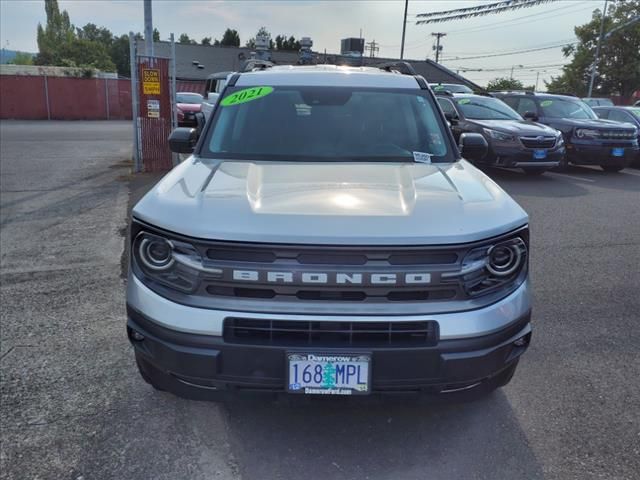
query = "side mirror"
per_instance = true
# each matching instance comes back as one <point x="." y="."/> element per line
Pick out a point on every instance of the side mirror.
<point x="452" y="118"/>
<point x="473" y="146"/>
<point x="183" y="140"/>
<point x="200" y="121"/>
<point x="531" y="116"/>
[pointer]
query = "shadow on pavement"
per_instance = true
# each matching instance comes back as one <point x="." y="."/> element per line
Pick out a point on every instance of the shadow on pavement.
<point x="380" y="439"/>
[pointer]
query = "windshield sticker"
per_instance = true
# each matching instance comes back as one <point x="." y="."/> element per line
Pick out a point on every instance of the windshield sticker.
<point x="246" y="95"/>
<point x="464" y="101"/>
<point x="437" y="88"/>
<point x="546" y="103"/>
<point x="422" y="157"/>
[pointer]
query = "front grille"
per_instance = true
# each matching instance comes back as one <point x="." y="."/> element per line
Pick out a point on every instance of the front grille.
<point x="616" y="135"/>
<point x="327" y="263"/>
<point x="538" y="142"/>
<point x="329" y="334"/>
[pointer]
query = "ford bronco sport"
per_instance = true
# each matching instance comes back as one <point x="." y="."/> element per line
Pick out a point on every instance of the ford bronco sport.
<point x="326" y="237"/>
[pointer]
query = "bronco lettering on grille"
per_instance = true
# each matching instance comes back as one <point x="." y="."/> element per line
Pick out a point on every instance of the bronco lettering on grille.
<point x="328" y="278"/>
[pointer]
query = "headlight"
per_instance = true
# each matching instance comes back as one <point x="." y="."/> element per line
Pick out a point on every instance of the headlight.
<point x="166" y="262"/>
<point x="559" y="139"/>
<point x="587" y="133"/>
<point x="501" y="137"/>
<point x="499" y="266"/>
<point x="155" y="253"/>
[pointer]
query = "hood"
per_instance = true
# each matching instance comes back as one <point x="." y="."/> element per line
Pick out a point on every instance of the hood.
<point x="189" y="107"/>
<point x="600" y="124"/>
<point x="516" y="127"/>
<point x="330" y="203"/>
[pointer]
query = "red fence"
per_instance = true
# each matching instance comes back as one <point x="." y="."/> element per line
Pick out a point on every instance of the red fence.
<point x="64" y="98"/>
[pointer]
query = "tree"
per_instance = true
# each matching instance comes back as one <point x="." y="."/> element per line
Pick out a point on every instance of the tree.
<point x="230" y="38"/>
<point x="284" y="43"/>
<point x="618" y="69"/>
<point x="57" y="31"/>
<point x="262" y="32"/>
<point x="205" y="41"/>
<point x="505" y="83"/>
<point x="86" y="54"/>
<point x="95" y="34"/>
<point x="184" y="39"/>
<point x="156" y="35"/>
<point x="21" y="58"/>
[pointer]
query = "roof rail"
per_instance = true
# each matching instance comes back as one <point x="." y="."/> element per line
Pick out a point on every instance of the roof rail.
<point x="566" y="94"/>
<point x="526" y="92"/>
<point x="254" y="64"/>
<point x="404" y="68"/>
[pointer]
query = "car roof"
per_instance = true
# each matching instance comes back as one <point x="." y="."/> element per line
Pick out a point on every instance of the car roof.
<point x="327" y="75"/>
<point x="535" y="94"/>
<point x="614" y="107"/>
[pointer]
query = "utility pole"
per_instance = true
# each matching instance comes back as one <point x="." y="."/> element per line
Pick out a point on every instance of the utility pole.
<point x="438" y="48"/>
<point x="373" y="48"/>
<point x="404" y="28"/>
<point x="148" y="28"/>
<point x="596" y="58"/>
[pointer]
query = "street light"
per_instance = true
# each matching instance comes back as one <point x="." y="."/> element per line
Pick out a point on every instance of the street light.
<point x="514" y="66"/>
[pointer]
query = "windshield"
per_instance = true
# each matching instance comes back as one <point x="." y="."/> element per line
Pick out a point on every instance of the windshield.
<point x="185" y="97"/>
<point x="561" y="108"/>
<point x="635" y="112"/>
<point x="481" y="108"/>
<point x="326" y="124"/>
<point x="451" y="87"/>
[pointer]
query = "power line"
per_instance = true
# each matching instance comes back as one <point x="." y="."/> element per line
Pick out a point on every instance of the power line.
<point x="515" y="52"/>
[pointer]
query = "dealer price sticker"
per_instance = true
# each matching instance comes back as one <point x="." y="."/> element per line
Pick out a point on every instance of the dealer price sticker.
<point x="329" y="374"/>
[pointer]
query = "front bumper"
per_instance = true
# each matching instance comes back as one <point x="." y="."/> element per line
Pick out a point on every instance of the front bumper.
<point x="601" y="153"/>
<point x="520" y="157"/>
<point x="191" y="363"/>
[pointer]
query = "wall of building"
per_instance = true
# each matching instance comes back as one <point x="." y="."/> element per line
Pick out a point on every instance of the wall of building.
<point x="30" y="97"/>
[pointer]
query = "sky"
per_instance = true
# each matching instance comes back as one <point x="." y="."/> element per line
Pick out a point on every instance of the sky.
<point x="326" y="22"/>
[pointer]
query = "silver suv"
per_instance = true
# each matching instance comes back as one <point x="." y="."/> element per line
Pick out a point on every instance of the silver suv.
<point x="326" y="237"/>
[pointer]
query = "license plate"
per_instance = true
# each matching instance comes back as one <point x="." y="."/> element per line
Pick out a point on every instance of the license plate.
<point x="539" y="154"/>
<point x="617" y="152"/>
<point x="329" y="374"/>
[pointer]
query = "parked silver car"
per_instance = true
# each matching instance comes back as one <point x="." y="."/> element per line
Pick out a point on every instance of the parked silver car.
<point x="326" y="237"/>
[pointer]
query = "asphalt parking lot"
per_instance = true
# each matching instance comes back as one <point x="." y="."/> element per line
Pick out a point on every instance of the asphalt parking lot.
<point x="74" y="407"/>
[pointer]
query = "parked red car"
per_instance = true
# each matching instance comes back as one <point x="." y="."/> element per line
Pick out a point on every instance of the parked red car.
<point x="188" y="104"/>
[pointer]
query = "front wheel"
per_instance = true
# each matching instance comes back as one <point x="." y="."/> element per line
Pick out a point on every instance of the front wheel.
<point x="611" y="168"/>
<point x="534" y="171"/>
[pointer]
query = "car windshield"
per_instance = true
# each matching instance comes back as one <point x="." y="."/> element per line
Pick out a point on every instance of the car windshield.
<point x="187" y="97"/>
<point x="450" y="87"/>
<point x="327" y="124"/>
<point x="565" y="108"/>
<point x="635" y="112"/>
<point x="485" y="108"/>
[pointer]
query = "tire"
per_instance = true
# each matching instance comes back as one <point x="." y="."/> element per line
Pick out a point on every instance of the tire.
<point x="147" y="373"/>
<point x="534" y="171"/>
<point x="611" y="168"/>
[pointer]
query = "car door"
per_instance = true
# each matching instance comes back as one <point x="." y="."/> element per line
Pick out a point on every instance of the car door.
<point x="449" y="109"/>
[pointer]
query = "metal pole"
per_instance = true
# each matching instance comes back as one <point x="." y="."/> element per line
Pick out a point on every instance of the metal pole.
<point x="148" y="28"/>
<point x="404" y="28"/>
<point x="46" y="96"/>
<point x="537" y="77"/>
<point x="174" y="111"/>
<point x="134" y="102"/>
<point x="595" y="60"/>
<point x="512" y="67"/>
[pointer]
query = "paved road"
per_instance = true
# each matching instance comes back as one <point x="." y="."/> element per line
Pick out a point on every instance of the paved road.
<point x="73" y="405"/>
